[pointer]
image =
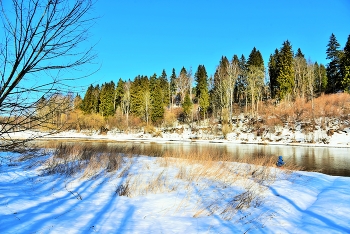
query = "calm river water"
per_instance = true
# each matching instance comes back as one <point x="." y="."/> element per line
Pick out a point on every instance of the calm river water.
<point x="332" y="161"/>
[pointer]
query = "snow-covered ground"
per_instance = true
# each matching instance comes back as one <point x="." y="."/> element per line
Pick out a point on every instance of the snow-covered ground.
<point x="282" y="136"/>
<point x="166" y="196"/>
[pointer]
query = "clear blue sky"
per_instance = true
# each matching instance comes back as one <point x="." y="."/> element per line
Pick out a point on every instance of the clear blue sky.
<point x="145" y="37"/>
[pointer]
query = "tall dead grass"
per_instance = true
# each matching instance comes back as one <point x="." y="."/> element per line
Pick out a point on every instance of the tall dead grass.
<point x="241" y="185"/>
<point x="72" y="159"/>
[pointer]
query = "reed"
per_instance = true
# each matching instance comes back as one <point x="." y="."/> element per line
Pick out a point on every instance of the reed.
<point x="242" y="183"/>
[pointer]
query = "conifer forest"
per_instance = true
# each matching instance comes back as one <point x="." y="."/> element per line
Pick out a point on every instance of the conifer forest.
<point x="290" y="88"/>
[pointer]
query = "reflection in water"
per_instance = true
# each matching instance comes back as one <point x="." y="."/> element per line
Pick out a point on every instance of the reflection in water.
<point x="332" y="161"/>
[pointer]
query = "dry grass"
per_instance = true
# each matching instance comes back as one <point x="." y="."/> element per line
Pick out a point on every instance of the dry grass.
<point x="72" y="159"/>
<point x="241" y="185"/>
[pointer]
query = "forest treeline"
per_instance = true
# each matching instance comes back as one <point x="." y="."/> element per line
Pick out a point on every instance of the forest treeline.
<point x="239" y="85"/>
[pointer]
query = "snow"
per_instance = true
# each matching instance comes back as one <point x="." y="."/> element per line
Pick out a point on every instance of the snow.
<point x="32" y="201"/>
<point x="281" y="136"/>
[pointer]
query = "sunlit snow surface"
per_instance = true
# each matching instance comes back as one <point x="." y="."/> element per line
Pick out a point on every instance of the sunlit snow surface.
<point x="32" y="202"/>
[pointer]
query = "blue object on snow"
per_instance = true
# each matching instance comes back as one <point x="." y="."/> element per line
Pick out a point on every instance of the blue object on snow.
<point x="280" y="161"/>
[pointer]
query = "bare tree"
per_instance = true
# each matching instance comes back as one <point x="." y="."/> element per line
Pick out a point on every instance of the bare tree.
<point x="255" y="81"/>
<point x="233" y="71"/>
<point x="41" y="39"/>
<point x="310" y="76"/>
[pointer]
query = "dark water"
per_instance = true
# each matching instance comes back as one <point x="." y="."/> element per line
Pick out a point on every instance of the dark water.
<point x="331" y="161"/>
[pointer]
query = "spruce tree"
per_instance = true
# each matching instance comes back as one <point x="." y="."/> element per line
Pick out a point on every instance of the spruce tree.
<point x="96" y="99"/>
<point x="164" y="84"/>
<point x="156" y="99"/>
<point x="107" y="95"/>
<point x="172" y="87"/>
<point x="333" y="67"/>
<point x="119" y="94"/>
<point x="202" y="93"/>
<point x="255" y="77"/>
<point x="87" y="102"/>
<point x="241" y="83"/>
<point x="187" y="106"/>
<point x="140" y="99"/>
<point x="285" y="71"/>
<point x="77" y="103"/>
<point x="157" y="104"/>
<point x="345" y="66"/>
<point x="273" y="72"/>
<point x="255" y="59"/>
<point x="320" y="78"/>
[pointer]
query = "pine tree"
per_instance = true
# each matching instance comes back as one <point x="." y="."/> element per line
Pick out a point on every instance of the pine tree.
<point x="345" y="66"/>
<point x="333" y="67"/>
<point x="285" y="71"/>
<point x="202" y="89"/>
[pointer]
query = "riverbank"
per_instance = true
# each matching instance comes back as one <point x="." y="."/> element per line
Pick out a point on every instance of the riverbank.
<point x="339" y="139"/>
<point x="162" y="195"/>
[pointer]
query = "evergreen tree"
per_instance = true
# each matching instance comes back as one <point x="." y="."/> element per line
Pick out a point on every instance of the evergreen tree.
<point x="333" y="67"/>
<point x="90" y="103"/>
<point x="187" y="106"/>
<point x="172" y="87"/>
<point x="119" y="94"/>
<point x="156" y="99"/>
<point x="157" y="105"/>
<point x="96" y="99"/>
<point x="345" y="66"/>
<point x="140" y="99"/>
<point x="255" y="59"/>
<point x="320" y="78"/>
<point x="255" y="77"/>
<point x="273" y="73"/>
<point x="87" y="102"/>
<point x="285" y="71"/>
<point x="164" y="84"/>
<point x="77" y="103"/>
<point x="202" y="89"/>
<point x="107" y="99"/>
<point x="241" y="84"/>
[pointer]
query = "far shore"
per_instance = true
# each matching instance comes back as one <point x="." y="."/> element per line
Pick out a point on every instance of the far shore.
<point x="106" y="138"/>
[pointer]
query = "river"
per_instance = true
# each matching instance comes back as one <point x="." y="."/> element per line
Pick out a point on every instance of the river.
<point x="327" y="160"/>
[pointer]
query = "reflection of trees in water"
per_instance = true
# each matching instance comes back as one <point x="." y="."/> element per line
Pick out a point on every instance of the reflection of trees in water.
<point x="333" y="161"/>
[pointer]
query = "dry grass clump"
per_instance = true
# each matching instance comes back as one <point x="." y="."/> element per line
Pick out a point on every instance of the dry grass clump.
<point x="71" y="159"/>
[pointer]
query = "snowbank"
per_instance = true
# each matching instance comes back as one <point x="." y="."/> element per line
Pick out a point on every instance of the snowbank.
<point x="34" y="202"/>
